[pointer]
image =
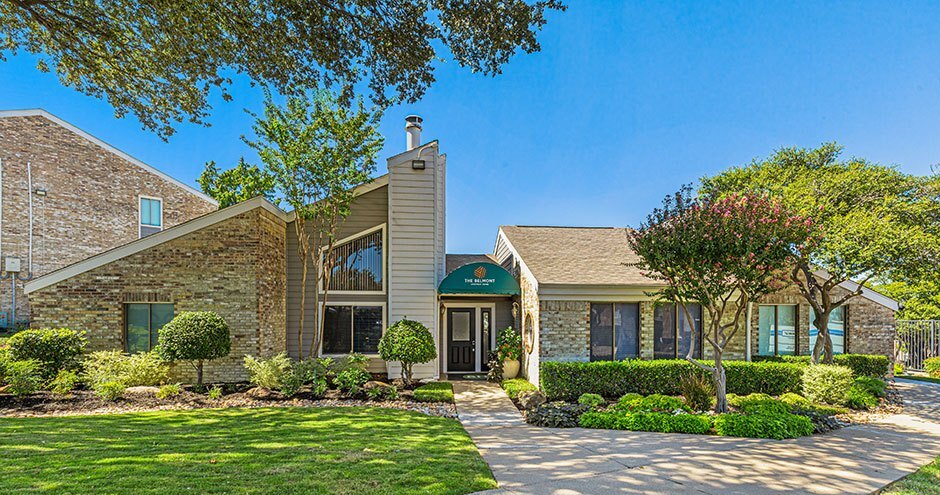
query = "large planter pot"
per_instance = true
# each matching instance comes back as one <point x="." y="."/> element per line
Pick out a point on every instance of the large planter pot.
<point x="510" y="368"/>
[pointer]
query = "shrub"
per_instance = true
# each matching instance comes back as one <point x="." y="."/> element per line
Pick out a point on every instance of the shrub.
<point x="379" y="393"/>
<point x="64" y="382"/>
<point x="629" y="401"/>
<point x="647" y="421"/>
<point x="593" y="401"/>
<point x="22" y="377"/>
<point x="932" y="366"/>
<point x="195" y="336"/>
<point x="612" y="379"/>
<point x="268" y="373"/>
<point x="801" y="405"/>
<point x="142" y="369"/>
<point x="762" y="404"/>
<point x="408" y="342"/>
<point x="435" y="392"/>
<point x="874" y="386"/>
<point x="858" y="397"/>
<point x="215" y="393"/>
<point x="778" y="426"/>
<point x="509" y="344"/>
<point x="556" y="415"/>
<point x="698" y="391"/>
<point x="111" y="390"/>
<point x="351" y="380"/>
<point x="169" y="390"/>
<point x="516" y="385"/>
<point x="873" y="365"/>
<point x="827" y="384"/>
<point x="898" y="368"/>
<point x="54" y="349"/>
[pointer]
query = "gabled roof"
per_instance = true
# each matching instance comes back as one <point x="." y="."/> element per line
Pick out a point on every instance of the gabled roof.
<point x="38" y="112"/>
<point x="455" y="261"/>
<point x="577" y="255"/>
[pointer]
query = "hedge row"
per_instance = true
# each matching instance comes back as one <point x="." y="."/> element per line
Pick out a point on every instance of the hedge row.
<point x="613" y="379"/>
<point x="871" y="365"/>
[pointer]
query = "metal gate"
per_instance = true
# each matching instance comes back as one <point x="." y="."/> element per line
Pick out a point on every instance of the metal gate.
<point x="916" y="341"/>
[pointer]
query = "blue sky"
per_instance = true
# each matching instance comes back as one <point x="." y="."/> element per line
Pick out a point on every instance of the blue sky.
<point x="624" y="103"/>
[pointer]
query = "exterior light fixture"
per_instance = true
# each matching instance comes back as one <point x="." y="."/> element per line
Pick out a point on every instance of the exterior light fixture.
<point x="417" y="164"/>
<point x="40" y="191"/>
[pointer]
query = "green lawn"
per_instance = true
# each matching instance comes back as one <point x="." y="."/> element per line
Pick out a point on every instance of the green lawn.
<point x="926" y="481"/>
<point x="241" y="451"/>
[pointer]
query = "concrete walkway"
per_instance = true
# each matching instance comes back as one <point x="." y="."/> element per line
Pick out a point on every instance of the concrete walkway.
<point x="859" y="459"/>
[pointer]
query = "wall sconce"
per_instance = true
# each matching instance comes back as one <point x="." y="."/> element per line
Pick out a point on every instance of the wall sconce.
<point x="39" y="191"/>
<point x="417" y="164"/>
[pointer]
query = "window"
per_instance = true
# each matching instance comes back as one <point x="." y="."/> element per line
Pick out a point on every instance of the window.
<point x="352" y="329"/>
<point x="615" y="331"/>
<point x="672" y="332"/>
<point x="776" y="325"/>
<point x="141" y="324"/>
<point x="151" y="216"/>
<point x="837" y="330"/>
<point x="359" y="264"/>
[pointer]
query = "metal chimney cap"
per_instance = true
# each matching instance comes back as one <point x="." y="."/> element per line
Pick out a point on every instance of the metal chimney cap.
<point x="413" y="120"/>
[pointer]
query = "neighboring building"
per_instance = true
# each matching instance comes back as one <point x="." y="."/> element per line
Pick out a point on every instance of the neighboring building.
<point x="66" y="195"/>
<point x="571" y="291"/>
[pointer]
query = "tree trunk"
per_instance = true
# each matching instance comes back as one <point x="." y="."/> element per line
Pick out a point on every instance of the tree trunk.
<point x="406" y="373"/>
<point x="199" y="373"/>
<point x="721" y="386"/>
<point x="822" y="350"/>
<point x="299" y="229"/>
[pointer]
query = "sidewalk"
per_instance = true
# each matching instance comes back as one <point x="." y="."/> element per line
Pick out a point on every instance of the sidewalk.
<point x="859" y="459"/>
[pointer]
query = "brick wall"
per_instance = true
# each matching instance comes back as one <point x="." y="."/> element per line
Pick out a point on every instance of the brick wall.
<point x="565" y="330"/>
<point x="91" y="200"/>
<point x="235" y="267"/>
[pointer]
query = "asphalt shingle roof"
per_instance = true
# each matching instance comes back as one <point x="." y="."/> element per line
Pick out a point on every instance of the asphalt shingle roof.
<point x="455" y="261"/>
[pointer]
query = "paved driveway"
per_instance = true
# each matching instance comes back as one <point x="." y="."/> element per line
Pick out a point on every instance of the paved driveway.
<point x="858" y="459"/>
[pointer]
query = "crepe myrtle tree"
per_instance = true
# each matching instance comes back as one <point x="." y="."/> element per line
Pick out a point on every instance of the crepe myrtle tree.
<point x="195" y="336"/>
<point x="721" y="253"/>
<point x="874" y="223"/>
<point x="410" y="343"/>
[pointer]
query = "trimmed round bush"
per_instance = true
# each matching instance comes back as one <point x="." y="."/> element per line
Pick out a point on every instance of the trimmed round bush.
<point x="777" y="426"/>
<point x="593" y="401"/>
<point x="932" y="366"/>
<point x="408" y="342"/>
<point x="195" y="336"/>
<point x="827" y="384"/>
<point x="54" y="349"/>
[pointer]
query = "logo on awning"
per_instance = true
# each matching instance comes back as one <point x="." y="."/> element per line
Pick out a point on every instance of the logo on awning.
<point x="480" y="272"/>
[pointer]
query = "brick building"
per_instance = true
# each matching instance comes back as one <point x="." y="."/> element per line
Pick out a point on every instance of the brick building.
<point x="66" y="195"/>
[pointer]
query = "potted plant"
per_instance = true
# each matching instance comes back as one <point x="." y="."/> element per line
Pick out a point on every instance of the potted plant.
<point x="509" y="345"/>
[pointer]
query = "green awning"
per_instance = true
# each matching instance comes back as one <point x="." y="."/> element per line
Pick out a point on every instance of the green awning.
<point x="479" y="278"/>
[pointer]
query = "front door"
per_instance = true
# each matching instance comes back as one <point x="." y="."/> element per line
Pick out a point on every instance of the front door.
<point x="461" y="344"/>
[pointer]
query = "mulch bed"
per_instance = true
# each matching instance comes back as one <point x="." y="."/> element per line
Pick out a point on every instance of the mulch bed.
<point x="83" y="402"/>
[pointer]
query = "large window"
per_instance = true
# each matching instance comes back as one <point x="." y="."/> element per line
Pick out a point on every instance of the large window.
<point x="672" y="331"/>
<point x="615" y="331"/>
<point x="837" y="330"/>
<point x="352" y="329"/>
<point x="358" y="264"/>
<point x="151" y="216"/>
<point x="142" y="322"/>
<point x="776" y="330"/>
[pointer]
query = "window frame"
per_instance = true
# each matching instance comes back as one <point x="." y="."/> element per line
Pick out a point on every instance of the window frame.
<point x="613" y="329"/>
<point x="796" y="329"/>
<point x="124" y="321"/>
<point x="352" y="328"/>
<point x="699" y="341"/>
<point x="140" y="215"/>
<point x="348" y="239"/>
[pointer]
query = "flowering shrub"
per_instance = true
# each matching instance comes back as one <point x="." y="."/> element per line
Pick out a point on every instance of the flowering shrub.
<point x="509" y="345"/>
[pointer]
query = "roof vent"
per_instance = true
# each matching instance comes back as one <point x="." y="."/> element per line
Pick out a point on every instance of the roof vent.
<point x="413" y="128"/>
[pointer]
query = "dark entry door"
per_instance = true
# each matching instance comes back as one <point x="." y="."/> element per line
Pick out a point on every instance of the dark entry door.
<point x="461" y="342"/>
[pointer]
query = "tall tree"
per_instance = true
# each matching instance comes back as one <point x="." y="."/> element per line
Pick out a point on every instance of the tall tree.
<point x="161" y="59"/>
<point x="318" y="148"/>
<point x="239" y="183"/>
<point x="720" y="253"/>
<point x="874" y="221"/>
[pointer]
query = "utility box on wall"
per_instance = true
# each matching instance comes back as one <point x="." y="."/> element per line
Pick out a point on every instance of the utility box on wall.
<point x="11" y="264"/>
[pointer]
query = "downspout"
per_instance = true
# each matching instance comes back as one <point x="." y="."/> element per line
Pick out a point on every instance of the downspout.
<point x="747" y="333"/>
<point x="1" y="211"/>
<point x="29" y="193"/>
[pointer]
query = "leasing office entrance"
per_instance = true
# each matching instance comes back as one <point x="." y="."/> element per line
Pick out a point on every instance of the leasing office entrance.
<point x="476" y="302"/>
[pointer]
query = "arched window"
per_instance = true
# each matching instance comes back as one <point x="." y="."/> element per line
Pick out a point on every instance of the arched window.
<point x="359" y="264"/>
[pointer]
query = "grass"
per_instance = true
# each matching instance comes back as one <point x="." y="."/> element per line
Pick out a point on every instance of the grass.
<point x="919" y="378"/>
<point x="926" y="481"/>
<point x="516" y="385"/>
<point x="241" y="451"/>
<point x="435" y="392"/>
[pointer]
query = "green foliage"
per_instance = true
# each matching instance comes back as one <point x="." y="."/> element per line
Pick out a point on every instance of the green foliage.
<point x="22" y="377"/>
<point x="777" y="426"/>
<point x="53" y="348"/>
<point x="593" y="401"/>
<point x="647" y="421"/>
<point x="898" y="369"/>
<point x="169" y="390"/>
<point x="435" y="392"/>
<point x="629" y="401"/>
<point x="351" y="380"/>
<point x="111" y="390"/>
<point x="195" y="336"/>
<point x="874" y="386"/>
<point x="556" y="414"/>
<point x="860" y="397"/>
<point x="64" y="382"/>
<point x="932" y="366"/>
<point x="509" y="344"/>
<point x="873" y="365"/>
<point x="165" y="68"/>
<point x="697" y="390"/>
<point x="760" y="404"/>
<point x="215" y="393"/>
<point x="268" y="373"/>
<point x="612" y="379"/>
<point x="408" y="342"/>
<point x="515" y="385"/>
<point x="827" y="384"/>
<point x="142" y="369"/>
<point x="799" y="404"/>
<point x="380" y="393"/>
<point x="237" y="184"/>
<point x="920" y="299"/>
